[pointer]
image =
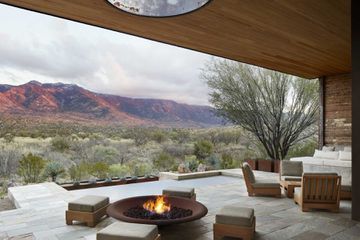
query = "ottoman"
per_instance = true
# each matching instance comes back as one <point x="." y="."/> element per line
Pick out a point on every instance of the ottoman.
<point x="180" y="192"/>
<point x="128" y="231"/>
<point x="88" y="209"/>
<point x="234" y="221"/>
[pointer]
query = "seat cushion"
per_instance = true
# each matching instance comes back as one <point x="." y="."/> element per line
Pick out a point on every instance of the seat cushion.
<point x="291" y="178"/>
<point x="291" y="168"/>
<point x="234" y="215"/>
<point x="266" y="184"/>
<point x="338" y="163"/>
<point x="344" y="156"/>
<point x="330" y="155"/>
<point x="328" y="148"/>
<point x="88" y="203"/>
<point x="308" y="160"/>
<point x="128" y="231"/>
<point x="179" y="192"/>
<point x="248" y="171"/>
<point x="346" y="188"/>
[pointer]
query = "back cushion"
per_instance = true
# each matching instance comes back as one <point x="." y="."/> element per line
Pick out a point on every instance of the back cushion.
<point x="291" y="168"/>
<point x="345" y="156"/>
<point x="328" y="148"/>
<point x="326" y="155"/>
<point x="347" y="149"/>
<point x="248" y="171"/>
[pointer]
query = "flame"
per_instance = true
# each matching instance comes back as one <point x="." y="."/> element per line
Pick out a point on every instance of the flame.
<point x="159" y="205"/>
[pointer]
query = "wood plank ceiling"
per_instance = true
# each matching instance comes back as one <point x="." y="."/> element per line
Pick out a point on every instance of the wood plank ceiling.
<point x="302" y="37"/>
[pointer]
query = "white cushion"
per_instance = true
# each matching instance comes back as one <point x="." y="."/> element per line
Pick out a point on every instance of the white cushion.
<point x="328" y="148"/>
<point x="309" y="160"/>
<point x="326" y="155"/>
<point x="347" y="149"/>
<point x="345" y="156"/>
<point x="128" y="231"/>
<point x="337" y="163"/>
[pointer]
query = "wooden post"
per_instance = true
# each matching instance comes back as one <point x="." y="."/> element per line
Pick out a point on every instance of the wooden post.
<point x="321" y="141"/>
<point x="355" y="12"/>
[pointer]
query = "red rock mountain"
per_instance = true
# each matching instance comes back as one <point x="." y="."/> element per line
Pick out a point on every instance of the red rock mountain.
<point x="71" y="102"/>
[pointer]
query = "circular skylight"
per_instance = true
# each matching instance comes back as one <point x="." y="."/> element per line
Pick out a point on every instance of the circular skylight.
<point x="158" y="8"/>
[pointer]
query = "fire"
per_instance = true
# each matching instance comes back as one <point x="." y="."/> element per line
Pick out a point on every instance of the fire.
<point x="159" y="205"/>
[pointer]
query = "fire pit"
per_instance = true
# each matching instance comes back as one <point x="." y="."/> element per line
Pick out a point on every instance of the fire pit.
<point x="157" y="210"/>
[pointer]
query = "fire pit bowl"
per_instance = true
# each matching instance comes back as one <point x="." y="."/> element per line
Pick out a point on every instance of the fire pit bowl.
<point x="120" y="209"/>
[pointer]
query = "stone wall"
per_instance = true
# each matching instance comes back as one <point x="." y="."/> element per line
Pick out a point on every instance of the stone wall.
<point x="337" y="109"/>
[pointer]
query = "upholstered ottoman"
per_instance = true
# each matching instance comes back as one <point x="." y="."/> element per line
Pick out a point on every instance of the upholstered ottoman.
<point x="128" y="231"/>
<point x="180" y="192"/>
<point x="234" y="221"/>
<point x="88" y="209"/>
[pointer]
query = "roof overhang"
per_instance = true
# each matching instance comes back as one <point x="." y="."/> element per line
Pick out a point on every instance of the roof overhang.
<point x="306" y="38"/>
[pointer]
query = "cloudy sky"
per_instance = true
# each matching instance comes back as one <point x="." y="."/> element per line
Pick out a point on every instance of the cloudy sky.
<point x="48" y="49"/>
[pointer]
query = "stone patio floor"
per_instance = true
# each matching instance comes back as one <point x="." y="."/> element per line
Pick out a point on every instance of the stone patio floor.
<point x="41" y="209"/>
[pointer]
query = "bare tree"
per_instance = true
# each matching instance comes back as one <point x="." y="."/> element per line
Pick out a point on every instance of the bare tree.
<point x="279" y="109"/>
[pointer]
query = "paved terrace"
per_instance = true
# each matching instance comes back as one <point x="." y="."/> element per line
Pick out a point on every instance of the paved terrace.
<point x="41" y="210"/>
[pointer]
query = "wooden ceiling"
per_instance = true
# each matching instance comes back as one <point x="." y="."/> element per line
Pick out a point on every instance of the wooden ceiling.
<point x="302" y="37"/>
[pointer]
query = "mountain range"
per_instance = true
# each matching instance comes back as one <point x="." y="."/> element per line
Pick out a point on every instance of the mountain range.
<point x="69" y="102"/>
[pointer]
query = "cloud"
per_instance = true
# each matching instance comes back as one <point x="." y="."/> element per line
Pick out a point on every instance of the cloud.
<point x="101" y="60"/>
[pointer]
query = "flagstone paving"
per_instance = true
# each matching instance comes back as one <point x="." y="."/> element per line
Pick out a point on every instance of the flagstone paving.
<point x="41" y="208"/>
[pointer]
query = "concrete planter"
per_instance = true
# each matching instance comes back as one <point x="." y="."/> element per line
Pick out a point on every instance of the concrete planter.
<point x="107" y="182"/>
<point x="276" y="165"/>
<point x="253" y="163"/>
<point x="265" y="165"/>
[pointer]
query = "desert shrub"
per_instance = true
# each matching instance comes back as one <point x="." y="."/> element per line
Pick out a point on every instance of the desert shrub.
<point x="142" y="169"/>
<point x="80" y="171"/>
<point x="31" y="167"/>
<point x="213" y="161"/>
<point x="178" y="150"/>
<point x="119" y="170"/>
<point x="163" y="161"/>
<point x="227" y="136"/>
<point x="203" y="149"/>
<point x="82" y="135"/>
<point x="306" y="148"/>
<point x="9" y="160"/>
<point x="227" y="161"/>
<point x="9" y="137"/>
<point x="180" y="135"/>
<point x="106" y="154"/>
<point x="99" y="169"/>
<point x="191" y="162"/>
<point x="140" y="135"/>
<point x="159" y="136"/>
<point x="53" y="170"/>
<point x="60" y="144"/>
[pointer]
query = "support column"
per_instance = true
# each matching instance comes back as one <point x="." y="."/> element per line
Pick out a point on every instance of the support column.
<point x="322" y="112"/>
<point x="355" y="23"/>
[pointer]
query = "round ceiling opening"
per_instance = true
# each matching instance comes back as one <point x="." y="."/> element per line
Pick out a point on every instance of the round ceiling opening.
<point x="158" y="8"/>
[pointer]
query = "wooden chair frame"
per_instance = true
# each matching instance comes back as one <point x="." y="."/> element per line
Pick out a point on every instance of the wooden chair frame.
<point x="90" y="218"/>
<point x="317" y="193"/>
<point x="275" y="192"/>
<point x="225" y="230"/>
